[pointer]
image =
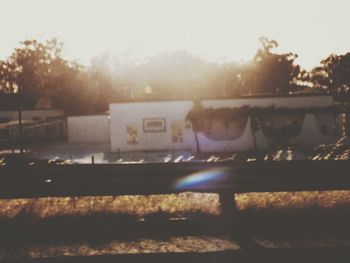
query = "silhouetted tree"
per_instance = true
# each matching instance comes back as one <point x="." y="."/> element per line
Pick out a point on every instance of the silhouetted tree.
<point x="101" y="82"/>
<point x="8" y="77"/>
<point x="270" y="72"/>
<point x="167" y="75"/>
<point x="333" y="75"/>
<point x="36" y="69"/>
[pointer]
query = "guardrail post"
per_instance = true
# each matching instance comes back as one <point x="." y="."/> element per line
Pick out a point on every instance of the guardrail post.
<point x="229" y="211"/>
<point x="228" y="204"/>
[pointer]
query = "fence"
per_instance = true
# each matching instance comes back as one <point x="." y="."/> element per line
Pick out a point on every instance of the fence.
<point x="224" y="178"/>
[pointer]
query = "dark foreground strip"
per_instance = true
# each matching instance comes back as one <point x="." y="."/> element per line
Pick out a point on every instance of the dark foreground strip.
<point x="308" y="255"/>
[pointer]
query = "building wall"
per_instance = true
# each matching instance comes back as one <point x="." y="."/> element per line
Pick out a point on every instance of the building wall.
<point x="129" y="130"/>
<point x="244" y="143"/>
<point x="310" y="135"/>
<point x="88" y="129"/>
<point x="129" y="134"/>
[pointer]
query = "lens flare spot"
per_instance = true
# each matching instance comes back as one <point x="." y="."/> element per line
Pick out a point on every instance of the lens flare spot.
<point x="201" y="179"/>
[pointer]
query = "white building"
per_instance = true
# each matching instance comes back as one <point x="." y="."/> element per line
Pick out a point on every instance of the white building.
<point x="154" y="126"/>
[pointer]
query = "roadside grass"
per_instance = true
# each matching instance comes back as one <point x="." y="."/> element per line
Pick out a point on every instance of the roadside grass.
<point x="175" y="205"/>
<point x="86" y="225"/>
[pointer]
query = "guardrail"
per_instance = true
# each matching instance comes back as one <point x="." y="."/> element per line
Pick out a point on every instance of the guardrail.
<point x="224" y="178"/>
<point x="162" y="178"/>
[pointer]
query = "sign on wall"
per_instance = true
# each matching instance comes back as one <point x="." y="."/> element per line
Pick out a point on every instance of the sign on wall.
<point x="177" y="132"/>
<point x="154" y="125"/>
<point x="131" y="134"/>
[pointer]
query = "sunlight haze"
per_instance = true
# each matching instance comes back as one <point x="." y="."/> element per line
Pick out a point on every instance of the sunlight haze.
<point x="217" y="30"/>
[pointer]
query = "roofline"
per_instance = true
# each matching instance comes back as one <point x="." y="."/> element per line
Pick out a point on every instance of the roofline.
<point x="255" y="96"/>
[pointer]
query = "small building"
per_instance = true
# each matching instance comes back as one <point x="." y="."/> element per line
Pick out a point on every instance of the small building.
<point x="38" y="124"/>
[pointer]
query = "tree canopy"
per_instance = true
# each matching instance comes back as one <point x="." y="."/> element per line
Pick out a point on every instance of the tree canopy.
<point x="270" y="72"/>
<point x="333" y="75"/>
<point x="38" y="69"/>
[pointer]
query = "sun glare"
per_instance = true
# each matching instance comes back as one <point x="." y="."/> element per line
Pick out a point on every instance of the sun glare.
<point x="218" y="30"/>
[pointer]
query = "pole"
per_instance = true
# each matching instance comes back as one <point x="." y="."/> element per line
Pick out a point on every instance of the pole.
<point x="197" y="142"/>
<point x="20" y="125"/>
<point x="253" y="128"/>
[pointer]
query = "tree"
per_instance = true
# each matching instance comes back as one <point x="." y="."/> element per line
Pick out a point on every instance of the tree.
<point x="101" y="83"/>
<point x="167" y="75"/>
<point x="270" y="72"/>
<point x="8" y="77"/>
<point x="33" y="69"/>
<point x="38" y="69"/>
<point x="333" y="75"/>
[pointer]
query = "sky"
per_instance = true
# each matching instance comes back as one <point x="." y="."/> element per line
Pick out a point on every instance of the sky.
<point x="218" y="30"/>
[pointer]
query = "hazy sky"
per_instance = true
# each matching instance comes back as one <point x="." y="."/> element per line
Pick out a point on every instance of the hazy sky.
<point x="215" y="29"/>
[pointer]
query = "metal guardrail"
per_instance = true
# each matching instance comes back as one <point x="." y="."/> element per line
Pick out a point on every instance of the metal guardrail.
<point x="162" y="178"/>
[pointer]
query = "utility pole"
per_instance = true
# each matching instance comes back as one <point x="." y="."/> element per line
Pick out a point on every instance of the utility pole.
<point x="20" y="126"/>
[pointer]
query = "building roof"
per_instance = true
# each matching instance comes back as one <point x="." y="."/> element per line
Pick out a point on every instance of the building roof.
<point x="245" y="96"/>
